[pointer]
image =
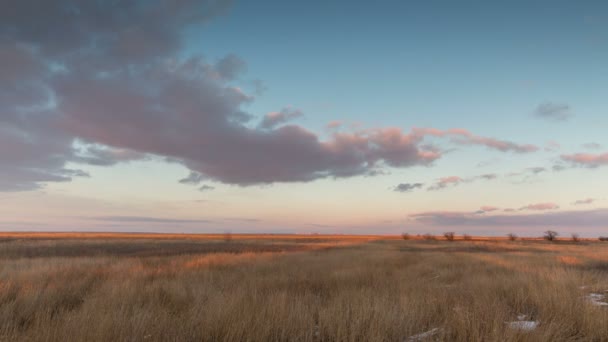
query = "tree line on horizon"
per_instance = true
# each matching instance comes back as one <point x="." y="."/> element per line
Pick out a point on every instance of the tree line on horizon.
<point x="548" y="235"/>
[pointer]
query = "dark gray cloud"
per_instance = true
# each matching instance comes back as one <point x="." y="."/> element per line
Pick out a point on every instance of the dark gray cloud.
<point x="407" y="187"/>
<point x="206" y="187"/>
<point x="194" y="178"/>
<point x="553" y="111"/>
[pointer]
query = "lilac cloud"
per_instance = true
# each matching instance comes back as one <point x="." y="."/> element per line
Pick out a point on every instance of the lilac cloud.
<point x="99" y="83"/>
<point x="584" y="201"/>
<point x="540" y="206"/>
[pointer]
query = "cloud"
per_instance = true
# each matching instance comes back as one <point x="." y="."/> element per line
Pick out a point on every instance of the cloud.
<point x="230" y="67"/>
<point x="488" y="208"/>
<point x="540" y="206"/>
<point x="552" y="146"/>
<point x="334" y="124"/>
<point x="145" y="219"/>
<point x="584" y="201"/>
<point x="273" y="119"/>
<point x="586" y="159"/>
<point x="464" y="137"/>
<point x="553" y="111"/>
<point x="193" y="178"/>
<point x="566" y="219"/>
<point x="444" y="182"/>
<point x="452" y="181"/>
<point x="206" y="187"/>
<point x="100" y="155"/>
<point x="407" y="187"/>
<point x="536" y="170"/>
<point x="592" y="146"/>
<point x="81" y="84"/>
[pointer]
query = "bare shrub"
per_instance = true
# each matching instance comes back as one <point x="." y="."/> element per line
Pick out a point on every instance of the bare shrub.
<point x="575" y="238"/>
<point x="512" y="237"/>
<point x="449" y="236"/>
<point x="603" y="238"/>
<point x="227" y="237"/>
<point x="429" y="237"/>
<point x="405" y="236"/>
<point x="550" y="235"/>
<point x="467" y="237"/>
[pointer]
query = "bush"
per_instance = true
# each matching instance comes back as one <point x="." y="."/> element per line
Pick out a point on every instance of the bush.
<point x="429" y="237"/>
<point x="512" y="237"/>
<point x="603" y="238"/>
<point x="449" y="236"/>
<point x="550" y="235"/>
<point x="467" y="237"/>
<point x="405" y="236"/>
<point x="576" y="237"/>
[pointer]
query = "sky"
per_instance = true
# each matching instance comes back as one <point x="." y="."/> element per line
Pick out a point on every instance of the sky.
<point x="350" y="117"/>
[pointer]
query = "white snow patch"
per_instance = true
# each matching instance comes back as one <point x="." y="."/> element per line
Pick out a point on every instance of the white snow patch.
<point x="523" y="325"/>
<point x="597" y="299"/>
<point x="424" y="335"/>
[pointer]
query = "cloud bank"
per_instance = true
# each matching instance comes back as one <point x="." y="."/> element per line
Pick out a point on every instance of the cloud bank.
<point x="111" y="76"/>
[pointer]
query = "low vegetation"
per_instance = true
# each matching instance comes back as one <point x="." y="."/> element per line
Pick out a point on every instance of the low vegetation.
<point x="313" y="288"/>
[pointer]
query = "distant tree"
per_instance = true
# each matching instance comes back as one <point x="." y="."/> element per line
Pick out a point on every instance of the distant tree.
<point x="512" y="237"/>
<point x="405" y="236"/>
<point x="227" y="237"/>
<point x="575" y="237"/>
<point x="428" y="237"/>
<point x="467" y="237"/>
<point x="449" y="236"/>
<point x="603" y="238"/>
<point x="550" y="235"/>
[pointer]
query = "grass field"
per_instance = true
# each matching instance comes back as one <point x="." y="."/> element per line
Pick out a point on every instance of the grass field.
<point x="152" y="287"/>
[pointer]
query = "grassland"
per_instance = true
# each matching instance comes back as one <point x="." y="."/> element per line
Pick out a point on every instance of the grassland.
<point x="141" y="287"/>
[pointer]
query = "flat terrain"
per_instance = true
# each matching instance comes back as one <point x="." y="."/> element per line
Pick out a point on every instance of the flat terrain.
<point x="153" y="287"/>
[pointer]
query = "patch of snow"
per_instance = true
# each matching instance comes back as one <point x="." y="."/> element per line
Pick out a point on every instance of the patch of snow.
<point x="424" y="335"/>
<point x="523" y="325"/>
<point x="522" y="317"/>
<point x="597" y="299"/>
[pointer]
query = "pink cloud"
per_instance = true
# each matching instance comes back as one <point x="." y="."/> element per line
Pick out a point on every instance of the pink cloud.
<point x="586" y="159"/>
<point x="464" y="137"/>
<point x="334" y="124"/>
<point x="488" y="208"/>
<point x="444" y="182"/>
<point x="540" y="206"/>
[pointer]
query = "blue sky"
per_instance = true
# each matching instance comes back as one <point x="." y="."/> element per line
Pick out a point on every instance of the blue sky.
<point x="522" y="72"/>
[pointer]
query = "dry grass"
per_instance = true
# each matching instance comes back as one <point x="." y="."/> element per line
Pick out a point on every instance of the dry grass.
<point x="288" y="288"/>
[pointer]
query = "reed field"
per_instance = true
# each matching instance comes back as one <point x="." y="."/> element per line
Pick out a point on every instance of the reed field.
<point x="154" y="287"/>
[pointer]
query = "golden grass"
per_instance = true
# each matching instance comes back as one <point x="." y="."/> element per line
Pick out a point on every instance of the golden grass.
<point x="117" y="287"/>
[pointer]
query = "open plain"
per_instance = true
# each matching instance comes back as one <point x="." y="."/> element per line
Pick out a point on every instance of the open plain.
<point x="155" y="287"/>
